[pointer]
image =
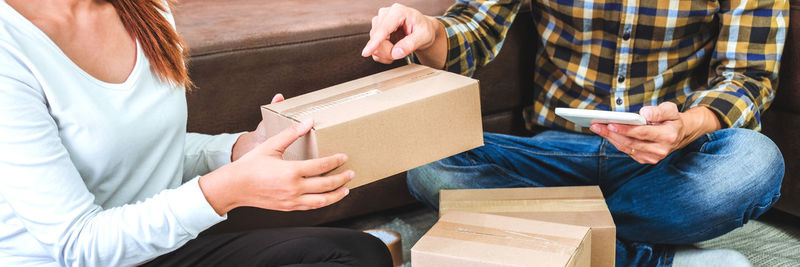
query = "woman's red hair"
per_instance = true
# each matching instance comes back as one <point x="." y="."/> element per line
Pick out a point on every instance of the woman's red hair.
<point x="157" y="37"/>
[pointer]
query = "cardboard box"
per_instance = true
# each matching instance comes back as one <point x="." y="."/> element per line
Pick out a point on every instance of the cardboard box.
<point x="475" y="239"/>
<point x="386" y="123"/>
<point x="575" y="205"/>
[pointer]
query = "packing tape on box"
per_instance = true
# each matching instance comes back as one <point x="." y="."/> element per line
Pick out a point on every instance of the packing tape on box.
<point x="304" y="110"/>
<point x="525" y="205"/>
<point x="465" y="232"/>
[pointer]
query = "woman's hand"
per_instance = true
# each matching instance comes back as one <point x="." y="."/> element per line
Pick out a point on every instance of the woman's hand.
<point x="669" y="130"/>
<point x="398" y="31"/>
<point x="250" y="140"/>
<point x="263" y="179"/>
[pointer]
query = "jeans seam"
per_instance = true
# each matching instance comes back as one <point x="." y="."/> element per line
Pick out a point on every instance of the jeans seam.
<point x="683" y="236"/>
<point x="737" y="219"/>
<point x="602" y="160"/>
<point x="772" y="201"/>
<point x="703" y="146"/>
<point x="512" y="175"/>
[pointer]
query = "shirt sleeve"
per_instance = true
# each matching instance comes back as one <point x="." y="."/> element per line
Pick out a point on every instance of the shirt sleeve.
<point x="205" y="153"/>
<point x="50" y="199"/>
<point x="475" y="32"/>
<point x="744" y="66"/>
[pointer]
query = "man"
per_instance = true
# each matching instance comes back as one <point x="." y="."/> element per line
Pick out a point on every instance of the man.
<point x="699" y="71"/>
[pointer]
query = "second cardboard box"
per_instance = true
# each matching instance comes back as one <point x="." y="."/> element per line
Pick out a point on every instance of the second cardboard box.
<point x="575" y="205"/>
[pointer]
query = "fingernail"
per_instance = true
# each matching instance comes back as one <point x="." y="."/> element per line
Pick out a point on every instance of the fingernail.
<point x="352" y="175"/>
<point x="613" y="128"/>
<point x="594" y="128"/>
<point x="397" y="52"/>
<point x="366" y="49"/>
<point x="346" y="191"/>
<point x="343" y="158"/>
<point x="276" y="97"/>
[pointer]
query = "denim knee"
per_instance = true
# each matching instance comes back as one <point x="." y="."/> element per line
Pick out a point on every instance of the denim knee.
<point x="757" y="167"/>
<point x="739" y="182"/>
<point x="755" y="162"/>
<point x="424" y="185"/>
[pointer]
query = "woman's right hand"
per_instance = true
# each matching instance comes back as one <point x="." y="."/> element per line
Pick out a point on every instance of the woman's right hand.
<point x="263" y="179"/>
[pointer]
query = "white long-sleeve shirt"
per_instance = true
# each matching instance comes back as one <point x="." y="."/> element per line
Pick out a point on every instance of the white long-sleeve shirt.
<point x="94" y="173"/>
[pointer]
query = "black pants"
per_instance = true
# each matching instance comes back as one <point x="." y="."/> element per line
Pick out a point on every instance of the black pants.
<point x="307" y="246"/>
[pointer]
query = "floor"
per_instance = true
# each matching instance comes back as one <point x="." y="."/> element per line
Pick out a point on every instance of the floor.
<point x="772" y="240"/>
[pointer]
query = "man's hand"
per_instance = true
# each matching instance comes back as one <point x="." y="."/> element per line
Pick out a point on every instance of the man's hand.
<point x="398" y="31"/>
<point x="250" y="140"/>
<point x="667" y="130"/>
<point x="263" y="179"/>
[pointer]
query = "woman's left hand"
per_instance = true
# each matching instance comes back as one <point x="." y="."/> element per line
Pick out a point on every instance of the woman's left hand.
<point x="250" y="140"/>
<point x="668" y="130"/>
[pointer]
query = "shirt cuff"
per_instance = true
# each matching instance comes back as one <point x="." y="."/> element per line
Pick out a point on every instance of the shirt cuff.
<point x="459" y="52"/>
<point x="730" y="102"/>
<point x="191" y="208"/>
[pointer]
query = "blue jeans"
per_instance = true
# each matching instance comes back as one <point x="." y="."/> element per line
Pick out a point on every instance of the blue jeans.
<point x="710" y="187"/>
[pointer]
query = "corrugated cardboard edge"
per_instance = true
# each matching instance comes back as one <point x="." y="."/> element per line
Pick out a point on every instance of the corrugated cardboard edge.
<point x="304" y="148"/>
<point x="582" y="256"/>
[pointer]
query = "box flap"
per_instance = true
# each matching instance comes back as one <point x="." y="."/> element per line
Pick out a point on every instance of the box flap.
<point x="574" y="205"/>
<point x="327" y="105"/>
<point x="503" y="240"/>
<point x="578" y="205"/>
<point x="557" y="192"/>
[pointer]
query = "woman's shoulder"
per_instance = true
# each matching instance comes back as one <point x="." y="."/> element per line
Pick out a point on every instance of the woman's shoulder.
<point x="17" y="67"/>
<point x="15" y="33"/>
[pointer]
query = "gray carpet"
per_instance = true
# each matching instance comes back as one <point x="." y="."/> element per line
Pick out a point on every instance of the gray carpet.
<point x="773" y="240"/>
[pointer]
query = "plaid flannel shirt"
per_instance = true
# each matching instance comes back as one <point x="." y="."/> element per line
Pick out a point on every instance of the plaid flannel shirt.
<point x="622" y="55"/>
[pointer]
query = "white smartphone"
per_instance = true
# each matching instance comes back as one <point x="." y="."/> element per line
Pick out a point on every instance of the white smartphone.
<point x="585" y="117"/>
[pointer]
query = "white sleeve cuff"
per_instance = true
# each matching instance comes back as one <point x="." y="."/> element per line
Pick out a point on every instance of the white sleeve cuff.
<point x="191" y="208"/>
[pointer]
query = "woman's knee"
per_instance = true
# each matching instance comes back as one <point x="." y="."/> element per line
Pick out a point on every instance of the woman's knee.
<point x="368" y="250"/>
<point x="332" y="245"/>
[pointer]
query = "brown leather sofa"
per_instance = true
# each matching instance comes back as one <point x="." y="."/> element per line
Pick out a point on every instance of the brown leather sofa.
<point x="782" y="121"/>
<point x="245" y="51"/>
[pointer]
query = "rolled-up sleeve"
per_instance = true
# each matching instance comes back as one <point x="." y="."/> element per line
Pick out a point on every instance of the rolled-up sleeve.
<point x="745" y="63"/>
<point x="475" y="32"/>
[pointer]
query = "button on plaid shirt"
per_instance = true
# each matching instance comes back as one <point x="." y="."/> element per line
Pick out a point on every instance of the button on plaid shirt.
<point x="622" y="55"/>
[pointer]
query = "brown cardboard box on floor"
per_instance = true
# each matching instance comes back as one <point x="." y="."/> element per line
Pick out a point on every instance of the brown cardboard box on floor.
<point x="386" y="123"/>
<point x="476" y="239"/>
<point x="575" y="205"/>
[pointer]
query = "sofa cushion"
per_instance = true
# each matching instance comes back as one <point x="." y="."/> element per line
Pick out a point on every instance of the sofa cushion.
<point x="222" y="26"/>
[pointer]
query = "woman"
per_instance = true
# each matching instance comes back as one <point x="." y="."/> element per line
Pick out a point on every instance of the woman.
<point x="97" y="168"/>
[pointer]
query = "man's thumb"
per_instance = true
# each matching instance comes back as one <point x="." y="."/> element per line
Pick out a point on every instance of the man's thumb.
<point x="664" y="112"/>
